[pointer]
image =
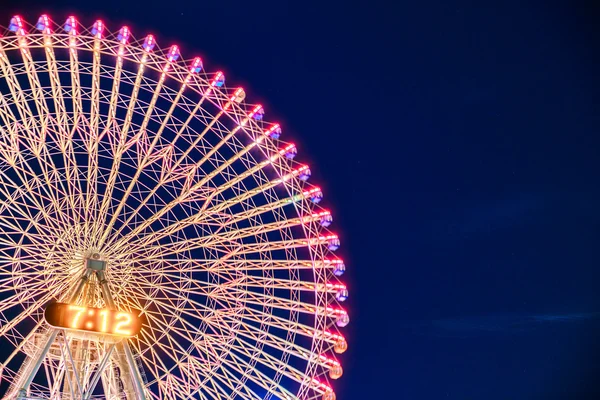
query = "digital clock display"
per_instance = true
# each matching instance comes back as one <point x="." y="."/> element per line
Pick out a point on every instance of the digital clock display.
<point x="99" y="320"/>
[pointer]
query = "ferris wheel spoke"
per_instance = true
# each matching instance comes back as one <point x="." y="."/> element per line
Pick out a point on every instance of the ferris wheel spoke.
<point x="170" y="352"/>
<point x="188" y="333"/>
<point x="122" y="143"/>
<point x="35" y="306"/>
<point x="38" y="96"/>
<point x="213" y="382"/>
<point x="28" y="191"/>
<point x="162" y="265"/>
<point x="9" y="138"/>
<point x="175" y="165"/>
<point x="232" y="382"/>
<point x="278" y="323"/>
<point x="19" y="293"/>
<point x="165" y="302"/>
<point x="11" y="190"/>
<point x="22" y="342"/>
<point x="180" y="225"/>
<point x="58" y="190"/>
<point x="154" y="362"/>
<point x="234" y="235"/>
<point x="114" y="94"/>
<point x="244" y="197"/>
<point x="56" y="86"/>
<point x="37" y="140"/>
<point x="119" y="148"/>
<point x="42" y="232"/>
<point x="61" y="134"/>
<point x="15" y="276"/>
<point x="267" y="300"/>
<point x="240" y="352"/>
<point x="279" y="344"/>
<point x="76" y="96"/>
<point x="67" y="146"/>
<point x="288" y="284"/>
<point x="169" y="206"/>
<point x="203" y="218"/>
<point x="157" y="136"/>
<point x="232" y="247"/>
<point x="217" y="382"/>
<point x="21" y="103"/>
<point x="226" y="136"/>
<point x="30" y="188"/>
<point x="90" y="139"/>
<point x="265" y="359"/>
<point x="192" y="308"/>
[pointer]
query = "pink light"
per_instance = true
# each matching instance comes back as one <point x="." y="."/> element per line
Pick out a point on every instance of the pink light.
<point x="237" y="93"/>
<point x="16" y="25"/>
<point x="274" y="131"/>
<point x="255" y="111"/>
<point x="258" y="113"/>
<point x="238" y="96"/>
<point x="337" y="311"/>
<point x="311" y="191"/>
<point x="328" y="360"/>
<point x="149" y="43"/>
<point x="173" y="54"/>
<point x="322" y="385"/>
<point x="298" y="171"/>
<point x="98" y="29"/>
<point x="196" y="65"/>
<point x="218" y="80"/>
<point x="334" y="336"/>
<point x="71" y="26"/>
<point x="335" y="286"/>
<point x="289" y="151"/>
<point x="43" y="24"/>
<point x="315" y="194"/>
<point x="338" y="266"/>
<point x="124" y="35"/>
<point x="287" y="148"/>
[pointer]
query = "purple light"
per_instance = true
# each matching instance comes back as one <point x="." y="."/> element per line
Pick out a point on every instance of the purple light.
<point x="71" y="25"/>
<point x="219" y="79"/>
<point x="290" y="151"/>
<point x="123" y="35"/>
<point x="304" y="173"/>
<point x="258" y="113"/>
<point x="43" y="24"/>
<point x="98" y="29"/>
<point x="173" y="54"/>
<point x="149" y="43"/>
<point x="196" y="65"/>
<point x="16" y="25"/>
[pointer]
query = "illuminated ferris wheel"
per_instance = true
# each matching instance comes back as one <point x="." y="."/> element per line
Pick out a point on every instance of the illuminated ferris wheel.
<point x="157" y="238"/>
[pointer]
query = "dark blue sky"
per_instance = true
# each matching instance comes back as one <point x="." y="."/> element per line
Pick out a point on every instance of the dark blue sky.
<point x="457" y="144"/>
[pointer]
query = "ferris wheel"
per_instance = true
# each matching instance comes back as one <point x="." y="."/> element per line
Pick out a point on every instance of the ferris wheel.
<point x="157" y="238"/>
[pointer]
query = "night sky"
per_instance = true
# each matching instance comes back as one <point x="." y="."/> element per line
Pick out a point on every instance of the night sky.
<point x="457" y="146"/>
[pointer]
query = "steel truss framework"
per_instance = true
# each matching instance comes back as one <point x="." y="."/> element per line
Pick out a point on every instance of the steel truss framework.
<point x="208" y="227"/>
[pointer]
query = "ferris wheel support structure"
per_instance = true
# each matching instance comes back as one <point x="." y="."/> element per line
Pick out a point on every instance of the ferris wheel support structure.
<point x="78" y="388"/>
